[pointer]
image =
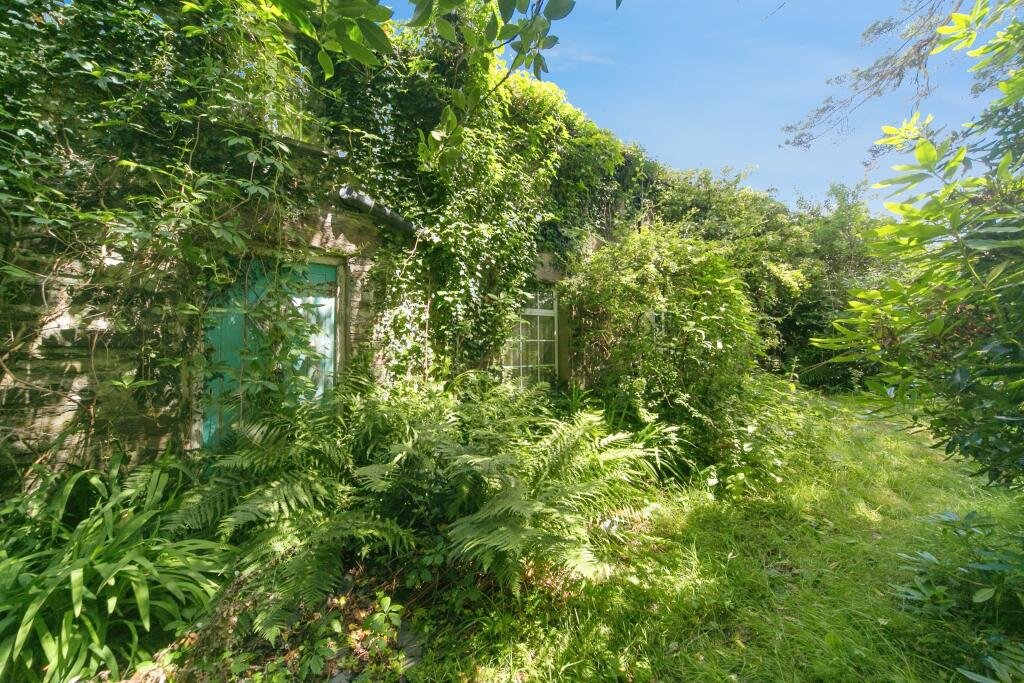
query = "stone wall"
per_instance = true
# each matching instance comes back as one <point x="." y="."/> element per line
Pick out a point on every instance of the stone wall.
<point x="56" y="397"/>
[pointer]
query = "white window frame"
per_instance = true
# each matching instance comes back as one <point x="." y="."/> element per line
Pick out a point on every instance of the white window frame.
<point x="520" y="371"/>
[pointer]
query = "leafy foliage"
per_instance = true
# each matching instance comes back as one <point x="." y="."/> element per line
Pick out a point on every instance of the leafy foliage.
<point x="799" y="265"/>
<point x="947" y="337"/>
<point x="473" y="471"/>
<point x="982" y="581"/>
<point x="662" y="330"/>
<point x="89" y="577"/>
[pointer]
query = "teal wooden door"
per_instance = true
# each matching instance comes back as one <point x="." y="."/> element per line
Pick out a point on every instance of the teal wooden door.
<point x="227" y="332"/>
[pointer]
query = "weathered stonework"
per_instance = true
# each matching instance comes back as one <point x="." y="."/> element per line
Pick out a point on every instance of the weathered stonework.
<point x="57" y="400"/>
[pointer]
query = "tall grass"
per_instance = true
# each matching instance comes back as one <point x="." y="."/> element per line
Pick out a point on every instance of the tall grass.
<point x="786" y="583"/>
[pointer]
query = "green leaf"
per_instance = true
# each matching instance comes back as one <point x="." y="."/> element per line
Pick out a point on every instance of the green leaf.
<point x="374" y="35"/>
<point x="988" y="245"/>
<point x="26" y="622"/>
<point x="926" y="154"/>
<point x="77" y="589"/>
<point x="909" y="180"/>
<point x="445" y="29"/>
<point x="953" y="164"/>
<point x="16" y="272"/>
<point x="297" y="12"/>
<point x="1003" y="170"/>
<point x="506" y="8"/>
<point x="491" y="32"/>
<point x="141" y="590"/>
<point x="976" y="677"/>
<point x="558" y="9"/>
<point x="325" y="63"/>
<point x="983" y="594"/>
<point x="996" y="272"/>
<point x="424" y="10"/>
<point x="357" y="51"/>
<point x="5" y="654"/>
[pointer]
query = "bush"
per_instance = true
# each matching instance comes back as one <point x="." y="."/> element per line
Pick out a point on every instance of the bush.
<point x="980" y="581"/>
<point x="946" y="336"/>
<point x="766" y="428"/>
<point x="475" y="474"/>
<point x="85" y="561"/>
<point x="662" y="330"/>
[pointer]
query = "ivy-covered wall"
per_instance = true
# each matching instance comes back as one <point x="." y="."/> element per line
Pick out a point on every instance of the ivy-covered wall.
<point x="143" y="175"/>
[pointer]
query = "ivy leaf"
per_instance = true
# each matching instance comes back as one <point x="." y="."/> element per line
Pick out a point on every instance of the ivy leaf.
<point x="558" y="9"/>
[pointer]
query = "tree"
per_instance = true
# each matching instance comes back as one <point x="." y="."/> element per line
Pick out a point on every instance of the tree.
<point x="916" y="38"/>
<point x="949" y="335"/>
<point x="360" y="30"/>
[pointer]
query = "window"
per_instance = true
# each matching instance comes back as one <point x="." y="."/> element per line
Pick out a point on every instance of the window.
<point x="231" y="340"/>
<point x="531" y="354"/>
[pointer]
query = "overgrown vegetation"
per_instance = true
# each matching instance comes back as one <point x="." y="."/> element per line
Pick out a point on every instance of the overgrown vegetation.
<point x="90" y="577"/>
<point x="663" y="332"/>
<point x="476" y="473"/>
<point x="673" y="512"/>
<point x="797" y="581"/>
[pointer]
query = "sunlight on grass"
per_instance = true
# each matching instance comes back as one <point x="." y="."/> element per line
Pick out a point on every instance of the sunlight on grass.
<point x="789" y="585"/>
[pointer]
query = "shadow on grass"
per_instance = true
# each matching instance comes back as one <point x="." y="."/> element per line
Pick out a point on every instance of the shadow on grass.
<point x="790" y="585"/>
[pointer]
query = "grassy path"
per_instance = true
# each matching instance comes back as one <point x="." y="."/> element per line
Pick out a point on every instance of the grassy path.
<point x="791" y="585"/>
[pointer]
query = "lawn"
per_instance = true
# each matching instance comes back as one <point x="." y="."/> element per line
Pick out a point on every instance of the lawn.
<point x="789" y="583"/>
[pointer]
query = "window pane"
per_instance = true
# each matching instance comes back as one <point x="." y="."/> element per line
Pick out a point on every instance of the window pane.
<point x="531" y="327"/>
<point x="547" y="352"/>
<point x="546" y="325"/>
<point x="516" y="356"/>
<point x="531" y="350"/>
<point x="530" y="354"/>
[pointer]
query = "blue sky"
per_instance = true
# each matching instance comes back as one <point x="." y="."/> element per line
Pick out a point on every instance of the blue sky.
<point x="711" y="84"/>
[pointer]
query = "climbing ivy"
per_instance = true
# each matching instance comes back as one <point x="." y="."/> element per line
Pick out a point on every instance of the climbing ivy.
<point x="144" y="174"/>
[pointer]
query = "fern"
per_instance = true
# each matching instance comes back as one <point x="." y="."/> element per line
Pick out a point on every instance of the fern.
<point x="375" y="472"/>
<point x="545" y="505"/>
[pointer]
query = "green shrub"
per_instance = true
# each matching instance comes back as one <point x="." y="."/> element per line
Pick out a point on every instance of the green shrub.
<point x="662" y="330"/>
<point x="946" y="337"/>
<point x="981" y="582"/>
<point x="89" y="579"/>
<point x="766" y="427"/>
<point x="473" y="473"/>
